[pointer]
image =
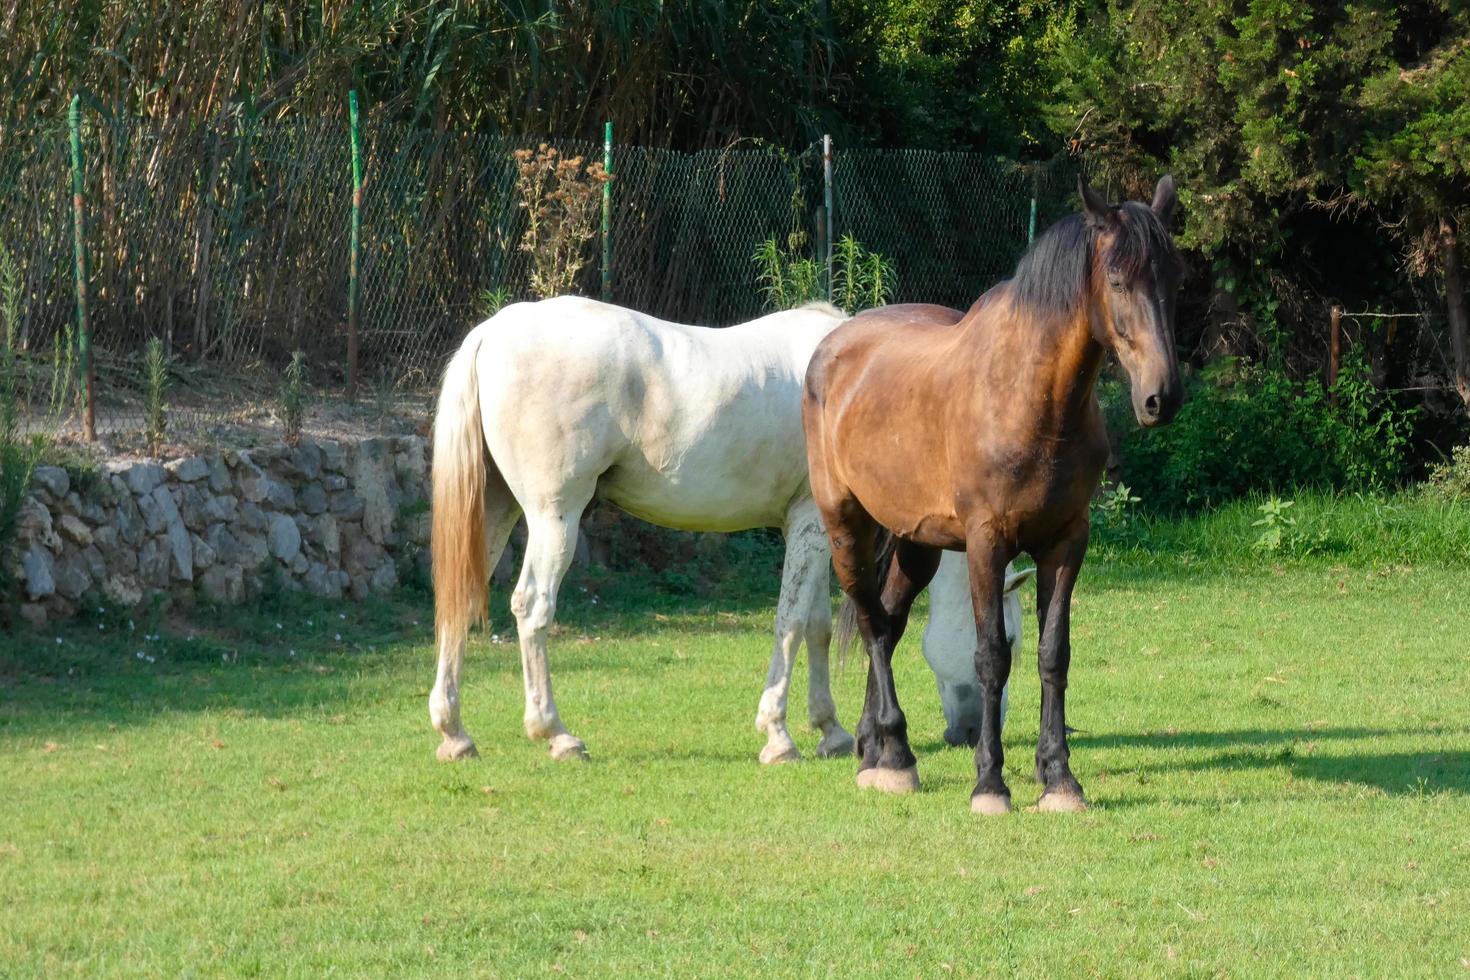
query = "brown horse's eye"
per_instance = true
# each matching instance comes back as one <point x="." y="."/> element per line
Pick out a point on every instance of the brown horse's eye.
<point x="1117" y="283"/>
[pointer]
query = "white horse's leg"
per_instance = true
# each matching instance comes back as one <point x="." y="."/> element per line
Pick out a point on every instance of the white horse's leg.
<point x="501" y="514"/>
<point x="551" y="539"/>
<point x="836" y="740"/>
<point x="821" y="709"/>
<point x="806" y="557"/>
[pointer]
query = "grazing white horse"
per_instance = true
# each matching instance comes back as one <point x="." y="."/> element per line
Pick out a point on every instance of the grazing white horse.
<point x="950" y="643"/>
<point x="546" y="404"/>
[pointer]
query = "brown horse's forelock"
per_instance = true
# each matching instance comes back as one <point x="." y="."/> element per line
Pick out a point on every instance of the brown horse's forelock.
<point x="1052" y="276"/>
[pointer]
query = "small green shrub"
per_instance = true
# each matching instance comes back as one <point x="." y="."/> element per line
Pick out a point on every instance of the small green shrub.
<point x="155" y="363"/>
<point x="787" y="280"/>
<point x="1450" y="480"/>
<point x="492" y="301"/>
<point x="1113" y="513"/>
<point x="65" y="388"/>
<point x="1281" y="534"/>
<point x="293" y="398"/>
<point x="385" y="400"/>
<point x="861" y="279"/>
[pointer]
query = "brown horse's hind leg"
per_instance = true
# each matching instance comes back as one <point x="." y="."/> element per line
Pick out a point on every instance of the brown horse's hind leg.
<point x="1056" y="575"/>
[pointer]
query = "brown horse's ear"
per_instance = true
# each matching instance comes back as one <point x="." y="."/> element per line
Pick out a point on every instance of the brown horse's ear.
<point x="1094" y="207"/>
<point x="1165" y="199"/>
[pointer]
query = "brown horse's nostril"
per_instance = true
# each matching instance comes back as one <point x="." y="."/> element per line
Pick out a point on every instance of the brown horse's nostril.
<point x="1151" y="405"/>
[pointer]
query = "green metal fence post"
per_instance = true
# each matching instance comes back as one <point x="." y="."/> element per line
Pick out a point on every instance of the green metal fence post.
<point x="353" y="284"/>
<point x="607" y="164"/>
<point x="79" y="231"/>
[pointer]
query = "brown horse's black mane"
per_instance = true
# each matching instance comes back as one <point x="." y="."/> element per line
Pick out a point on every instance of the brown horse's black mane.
<point x="1051" y="277"/>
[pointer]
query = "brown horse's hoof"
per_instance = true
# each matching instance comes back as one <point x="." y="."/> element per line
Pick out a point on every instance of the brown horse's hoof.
<point x="454" y="749"/>
<point x="889" y="780"/>
<point x="990" y="804"/>
<point x="1061" y="801"/>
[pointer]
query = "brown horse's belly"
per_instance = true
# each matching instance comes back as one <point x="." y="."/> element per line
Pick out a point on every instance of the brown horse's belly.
<point x="909" y="508"/>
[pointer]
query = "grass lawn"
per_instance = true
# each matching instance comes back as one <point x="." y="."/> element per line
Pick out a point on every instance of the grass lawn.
<point x="1278" y="760"/>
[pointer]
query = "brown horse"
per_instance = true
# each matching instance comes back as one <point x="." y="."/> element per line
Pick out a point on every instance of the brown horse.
<point x="981" y="432"/>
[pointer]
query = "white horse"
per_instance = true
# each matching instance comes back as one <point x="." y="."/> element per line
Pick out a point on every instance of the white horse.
<point x="546" y="404"/>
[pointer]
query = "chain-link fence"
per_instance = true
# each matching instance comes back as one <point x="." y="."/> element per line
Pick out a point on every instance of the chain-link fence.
<point x="230" y="243"/>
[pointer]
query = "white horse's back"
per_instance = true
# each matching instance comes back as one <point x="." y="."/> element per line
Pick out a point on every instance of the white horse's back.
<point x="688" y="427"/>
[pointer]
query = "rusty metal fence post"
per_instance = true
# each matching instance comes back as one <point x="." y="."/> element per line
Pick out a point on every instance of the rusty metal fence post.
<point x="607" y="165"/>
<point x="827" y="203"/>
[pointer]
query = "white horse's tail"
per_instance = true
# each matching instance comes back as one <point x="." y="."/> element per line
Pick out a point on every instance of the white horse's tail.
<point x="461" y="566"/>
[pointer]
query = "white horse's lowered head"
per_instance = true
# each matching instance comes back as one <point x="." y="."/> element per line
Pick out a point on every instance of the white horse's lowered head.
<point x="950" y="643"/>
<point x="950" y="640"/>
<point x="547" y="404"/>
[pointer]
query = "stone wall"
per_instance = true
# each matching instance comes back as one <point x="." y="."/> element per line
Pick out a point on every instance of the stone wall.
<point x="331" y="518"/>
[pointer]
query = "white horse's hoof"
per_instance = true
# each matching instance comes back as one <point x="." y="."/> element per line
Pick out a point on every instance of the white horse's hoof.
<point x="890" y="780"/>
<point x="835" y="744"/>
<point x="564" y="747"/>
<point x="1061" y="801"/>
<point x="990" y="804"/>
<point x="456" y="747"/>
<point x="775" y="754"/>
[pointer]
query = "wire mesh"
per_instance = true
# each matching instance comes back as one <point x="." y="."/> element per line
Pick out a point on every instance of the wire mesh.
<point x="229" y="243"/>
<point x="953" y="224"/>
<point x="35" y="231"/>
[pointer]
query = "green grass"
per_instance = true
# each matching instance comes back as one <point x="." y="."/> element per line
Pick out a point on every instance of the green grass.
<point x="1278" y="758"/>
<point x="1410" y="528"/>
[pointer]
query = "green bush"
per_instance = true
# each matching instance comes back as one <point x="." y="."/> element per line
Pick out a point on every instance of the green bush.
<point x="1450" y="480"/>
<point x="1361" y="530"/>
<point x="861" y="279"/>
<point x="1250" y="429"/>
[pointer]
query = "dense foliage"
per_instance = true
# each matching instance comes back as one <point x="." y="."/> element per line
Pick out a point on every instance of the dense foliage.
<point x="1251" y="428"/>
<point x="1322" y="149"/>
<point x="689" y="74"/>
<point x="1321" y="153"/>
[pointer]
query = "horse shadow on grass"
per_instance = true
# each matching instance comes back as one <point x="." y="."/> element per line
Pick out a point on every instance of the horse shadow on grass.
<point x="292" y="655"/>
<point x="1300" y="752"/>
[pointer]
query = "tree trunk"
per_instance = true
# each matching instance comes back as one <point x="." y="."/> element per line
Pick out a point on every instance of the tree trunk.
<point x="1454" y="300"/>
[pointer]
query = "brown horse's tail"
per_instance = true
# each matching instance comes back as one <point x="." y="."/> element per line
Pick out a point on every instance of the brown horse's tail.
<point x="461" y="567"/>
<point x="845" y="630"/>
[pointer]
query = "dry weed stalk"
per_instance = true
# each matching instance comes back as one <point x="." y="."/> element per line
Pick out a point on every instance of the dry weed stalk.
<point x="560" y="197"/>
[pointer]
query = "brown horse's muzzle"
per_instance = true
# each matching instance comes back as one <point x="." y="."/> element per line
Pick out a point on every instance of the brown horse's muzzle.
<point x="1156" y="405"/>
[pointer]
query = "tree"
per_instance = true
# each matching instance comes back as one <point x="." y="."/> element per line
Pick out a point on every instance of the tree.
<point x="1414" y="163"/>
<point x="1291" y="125"/>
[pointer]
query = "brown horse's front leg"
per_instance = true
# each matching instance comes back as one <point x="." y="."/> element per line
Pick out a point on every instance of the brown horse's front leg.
<point x="992" y="668"/>
<point x="1056" y="575"/>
